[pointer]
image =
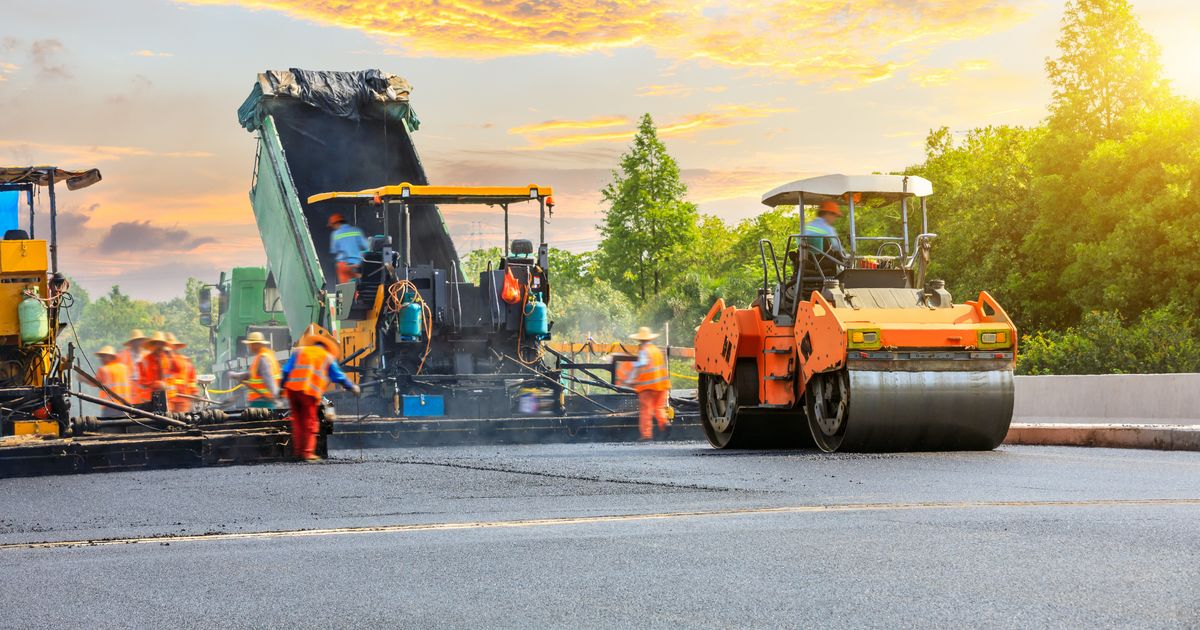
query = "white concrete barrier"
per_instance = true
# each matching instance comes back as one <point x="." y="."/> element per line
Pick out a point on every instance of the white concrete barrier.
<point x="1109" y="398"/>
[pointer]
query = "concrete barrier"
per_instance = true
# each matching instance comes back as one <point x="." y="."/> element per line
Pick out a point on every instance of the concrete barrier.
<point x="1163" y="437"/>
<point x="1159" y="399"/>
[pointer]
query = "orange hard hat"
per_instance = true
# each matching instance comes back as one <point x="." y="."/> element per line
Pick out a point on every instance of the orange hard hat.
<point x="335" y="219"/>
<point x="831" y="207"/>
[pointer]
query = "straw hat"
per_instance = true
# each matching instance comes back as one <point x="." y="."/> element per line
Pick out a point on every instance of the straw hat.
<point x="255" y="338"/>
<point x="106" y="351"/>
<point x="174" y="341"/>
<point x="136" y="335"/>
<point x="644" y="334"/>
<point x="313" y="339"/>
<point x="156" y="338"/>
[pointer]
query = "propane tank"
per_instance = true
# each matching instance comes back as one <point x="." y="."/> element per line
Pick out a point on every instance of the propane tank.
<point x="537" y="317"/>
<point x="35" y="325"/>
<point x="410" y="322"/>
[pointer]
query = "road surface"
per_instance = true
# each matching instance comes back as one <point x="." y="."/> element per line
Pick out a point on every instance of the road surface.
<point x="614" y="535"/>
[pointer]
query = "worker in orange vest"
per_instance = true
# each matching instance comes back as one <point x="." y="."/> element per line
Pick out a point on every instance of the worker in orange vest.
<point x="262" y="379"/>
<point x="650" y="378"/>
<point x="114" y="376"/>
<point x="131" y="356"/>
<point x="157" y="368"/>
<point x="305" y="377"/>
<point x="184" y="381"/>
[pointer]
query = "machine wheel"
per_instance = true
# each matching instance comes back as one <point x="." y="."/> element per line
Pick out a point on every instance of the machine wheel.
<point x="826" y="400"/>
<point x="718" y="410"/>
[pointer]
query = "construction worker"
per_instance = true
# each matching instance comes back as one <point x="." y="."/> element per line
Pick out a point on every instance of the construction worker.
<point x="114" y="376"/>
<point x="305" y="377"/>
<point x="157" y="367"/>
<point x="262" y="379"/>
<point x="184" y="376"/>
<point x="650" y="378"/>
<point x="131" y="356"/>
<point x="347" y="243"/>
<point x="828" y="214"/>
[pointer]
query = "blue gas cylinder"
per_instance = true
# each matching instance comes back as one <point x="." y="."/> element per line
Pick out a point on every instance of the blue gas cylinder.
<point x="34" y="322"/>
<point x="410" y="322"/>
<point x="537" y="317"/>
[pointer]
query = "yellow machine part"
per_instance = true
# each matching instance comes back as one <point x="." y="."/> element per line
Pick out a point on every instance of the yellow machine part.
<point x="22" y="263"/>
<point x="35" y="427"/>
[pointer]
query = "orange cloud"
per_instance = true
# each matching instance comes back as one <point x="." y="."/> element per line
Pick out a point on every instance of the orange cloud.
<point x="809" y="41"/>
<point x="38" y="152"/>
<point x="151" y="53"/>
<point x="719" y="118"/>
<point x="938" y="77"/>
<point x="674" y="89"/>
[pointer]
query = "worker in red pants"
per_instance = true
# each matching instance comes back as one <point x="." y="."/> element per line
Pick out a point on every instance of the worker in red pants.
<point x="305" y="377"/>
<point x="652" y="381"/>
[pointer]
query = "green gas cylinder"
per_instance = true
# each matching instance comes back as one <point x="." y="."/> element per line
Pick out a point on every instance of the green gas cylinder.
<point x="35" y="325"/>
<point x="537" y="317"/>
<point x="410" y="322"/>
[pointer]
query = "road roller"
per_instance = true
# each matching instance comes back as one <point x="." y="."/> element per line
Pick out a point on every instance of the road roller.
<point x="849" y="346"/>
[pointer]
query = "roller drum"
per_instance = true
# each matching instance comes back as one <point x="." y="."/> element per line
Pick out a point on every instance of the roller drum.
<point x="927" y="410"/>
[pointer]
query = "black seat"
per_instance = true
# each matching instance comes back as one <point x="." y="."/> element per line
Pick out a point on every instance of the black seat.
<point x="16" y="235"/>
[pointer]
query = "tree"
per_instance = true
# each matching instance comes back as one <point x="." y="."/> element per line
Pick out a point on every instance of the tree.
<point x="1108" y="68"/>
<point x="649" y="226"/>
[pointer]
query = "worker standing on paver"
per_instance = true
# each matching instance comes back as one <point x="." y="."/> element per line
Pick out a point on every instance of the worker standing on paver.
<point x="652" y="381"/>
<point x="183" y="377"/>
<point x="347" y="244"/>
<point x="114" y="376"/>
<point x="157" y="367"/>
<point x="306" y="376"/>
<point x="262" y="379"/>
<point x="131" y="356"/>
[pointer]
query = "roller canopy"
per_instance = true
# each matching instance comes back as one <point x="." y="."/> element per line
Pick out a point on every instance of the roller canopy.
<point x="40" y="175"/>
<point x="818" y="189"/>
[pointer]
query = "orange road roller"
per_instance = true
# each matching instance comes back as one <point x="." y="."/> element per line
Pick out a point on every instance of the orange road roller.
<point x="852" y="348"/>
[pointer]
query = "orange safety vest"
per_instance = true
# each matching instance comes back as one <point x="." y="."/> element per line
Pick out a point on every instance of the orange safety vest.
<point x="184" y="375"/>
<point x="137" y="393"/>
<point x="154" y="368"/>
<point x="653" y="377"/>
<point x="255" y="384"/>
<point x="114" y="376"/>
<point x="310" y="372"/>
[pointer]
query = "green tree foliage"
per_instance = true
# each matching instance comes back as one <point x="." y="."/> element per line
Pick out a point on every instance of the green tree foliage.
<point x="649" y="227"/>
<point x="1163" y="340"/>
<point x="1107" y="70"/>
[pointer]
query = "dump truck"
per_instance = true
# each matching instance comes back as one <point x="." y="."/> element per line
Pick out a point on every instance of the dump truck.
<point x="419" y="337"/>
<point x="854" y="348"/>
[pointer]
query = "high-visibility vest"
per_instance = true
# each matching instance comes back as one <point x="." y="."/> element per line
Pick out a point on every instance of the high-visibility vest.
<point x="653" y="377"/>
<point x="310" y="372"/>
<point x="114" y="376"/>
<point x="137" y="393"/>
<point x="183" y="375"/>
<point x="156" y="367"/>
<point x="256" y="384"/>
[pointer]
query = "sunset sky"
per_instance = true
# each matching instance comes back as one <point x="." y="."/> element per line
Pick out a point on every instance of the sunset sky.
<point x="747" y="95"/>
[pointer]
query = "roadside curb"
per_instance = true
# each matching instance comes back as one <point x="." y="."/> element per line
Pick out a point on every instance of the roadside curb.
<point x="1163" y="437"/>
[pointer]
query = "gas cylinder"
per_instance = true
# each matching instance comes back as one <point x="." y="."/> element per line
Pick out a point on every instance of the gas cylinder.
<point x="410" y="322"/>
<point x="537" y="317"/>
<point x="35" y="325"/>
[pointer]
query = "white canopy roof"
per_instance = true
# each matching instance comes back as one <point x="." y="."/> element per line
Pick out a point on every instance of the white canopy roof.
<point x="818" y="189"/>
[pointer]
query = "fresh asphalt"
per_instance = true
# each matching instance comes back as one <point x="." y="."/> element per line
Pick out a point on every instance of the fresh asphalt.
<point x="614" y="535"/>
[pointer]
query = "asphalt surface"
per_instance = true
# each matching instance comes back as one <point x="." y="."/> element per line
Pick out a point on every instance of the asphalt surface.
<point x="614" y="535"/>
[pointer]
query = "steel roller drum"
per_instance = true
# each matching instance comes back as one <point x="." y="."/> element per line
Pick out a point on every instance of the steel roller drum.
<point x="927" y="410"/>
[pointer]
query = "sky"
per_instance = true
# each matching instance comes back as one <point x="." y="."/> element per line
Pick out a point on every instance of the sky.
<point x="747" y="95"/>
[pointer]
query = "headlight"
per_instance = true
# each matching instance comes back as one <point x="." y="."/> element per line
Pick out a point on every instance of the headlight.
<point x="864" y="339"/>
<point x="993" y="339"/>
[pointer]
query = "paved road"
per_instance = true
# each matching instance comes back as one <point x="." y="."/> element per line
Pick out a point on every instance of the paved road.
<point x="604" y="535"/>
